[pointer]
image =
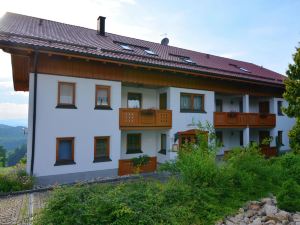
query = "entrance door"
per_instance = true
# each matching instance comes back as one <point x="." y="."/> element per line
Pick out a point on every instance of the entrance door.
<point x="163" y="101"/>
<point x="264" y="107"/>
<point x="262" y="136"/>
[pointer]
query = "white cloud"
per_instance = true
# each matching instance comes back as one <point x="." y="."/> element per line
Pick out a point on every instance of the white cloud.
<point x="13" y="111"/>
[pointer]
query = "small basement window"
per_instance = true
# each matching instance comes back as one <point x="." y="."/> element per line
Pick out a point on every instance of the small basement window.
<point x="126" y="47"/>
<point x="150" y="52"/>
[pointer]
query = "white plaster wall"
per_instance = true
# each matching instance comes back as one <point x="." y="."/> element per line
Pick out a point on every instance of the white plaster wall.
<point x="283" y="123"/>
<point x="150" y="141"/>
<point x="231" y="139"/>
<point x="182" y="121"/>
<point x="83" y="123"/>
<point x="149" y="96"/>
<point x="227" y="100"/>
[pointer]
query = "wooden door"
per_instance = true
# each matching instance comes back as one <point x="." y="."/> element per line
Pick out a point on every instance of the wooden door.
<point x="163" y="101"/>
<point x="264" y="107"/>
<point x="263" y="135"/>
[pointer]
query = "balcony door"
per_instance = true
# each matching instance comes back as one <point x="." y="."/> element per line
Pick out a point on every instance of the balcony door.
<point x="163" y="101"/>
<point x="264" y="107"/>
<point x="134" y="100"/>
<point x="262" y="136"/>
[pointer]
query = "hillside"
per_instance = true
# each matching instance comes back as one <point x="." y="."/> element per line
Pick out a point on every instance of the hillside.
<point x="12" y="137"/>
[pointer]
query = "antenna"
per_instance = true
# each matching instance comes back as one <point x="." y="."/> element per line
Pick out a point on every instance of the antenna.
<point x="165" y="40"/>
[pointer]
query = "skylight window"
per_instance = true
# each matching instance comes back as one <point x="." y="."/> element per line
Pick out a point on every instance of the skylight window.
<point x="148" y="51"/>
<point x="188" y="60"/>
<point x="244" y="69"/>
<point x="126" y="47"/>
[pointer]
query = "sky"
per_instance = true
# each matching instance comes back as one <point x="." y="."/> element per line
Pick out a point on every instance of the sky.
<point x="262" y="32"/>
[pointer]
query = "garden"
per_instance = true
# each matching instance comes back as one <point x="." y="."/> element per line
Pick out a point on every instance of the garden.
<point x="200" y="190"/>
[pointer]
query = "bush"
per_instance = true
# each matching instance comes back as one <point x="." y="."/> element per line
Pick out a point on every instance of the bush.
<point x="202" y="191"/>
<point x="289" y="196"/>
<point x="15" y="179"/>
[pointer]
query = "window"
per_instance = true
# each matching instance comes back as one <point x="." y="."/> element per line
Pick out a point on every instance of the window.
<point x="148" y="51"/>
<point x="241" y="138"/>
<point x="191" y="102"/>
<point x="102" y="100"/>
<point x="188" y="60"/>
<point x="101" y="149"/>
<point x="163" y="144"/>
<point x="241" y="106"/>
<point x="219" y="105"/>
<point x="244" y="69"/>
<point x="66" y="95"/>
<point x="219" y="137"/>
<point x="279" y="138"/>
<point x="279" y="108"/>
<point x="134" y="143"/>
<point x="64" y="151"/>
<point x="134" y="100"/>
<point x="126" y="47"/>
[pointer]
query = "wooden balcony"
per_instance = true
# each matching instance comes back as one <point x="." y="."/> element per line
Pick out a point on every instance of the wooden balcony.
<point x="130" y="119"/>
<point x="241" y="120"/>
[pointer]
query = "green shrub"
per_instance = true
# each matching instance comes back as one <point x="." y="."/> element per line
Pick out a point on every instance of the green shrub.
<point x="16" y="179"/>
<point x="289" y="196"/>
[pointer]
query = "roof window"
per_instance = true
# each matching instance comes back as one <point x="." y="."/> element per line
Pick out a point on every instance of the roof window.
<point x="150" y="52"/>
<point x="126" y="47"/>
<point x="188" y="60"/>
<point x="244" y="69"/>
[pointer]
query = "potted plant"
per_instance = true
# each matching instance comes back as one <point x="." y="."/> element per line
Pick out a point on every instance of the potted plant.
<point x="140" y="161"/>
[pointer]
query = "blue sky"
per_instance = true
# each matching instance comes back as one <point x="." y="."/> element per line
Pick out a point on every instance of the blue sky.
<point x="261" y="32"/>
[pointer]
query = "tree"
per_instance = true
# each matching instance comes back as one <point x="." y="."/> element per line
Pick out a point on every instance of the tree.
<point x="2" y="157"/>
<point x="292" y="95"/>
<point x="16" y="155"/>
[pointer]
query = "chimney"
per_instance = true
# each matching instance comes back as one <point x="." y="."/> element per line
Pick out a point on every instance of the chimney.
<point x="101" y="25"/>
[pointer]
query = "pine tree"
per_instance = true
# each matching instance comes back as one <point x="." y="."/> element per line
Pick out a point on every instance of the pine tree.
<point x="292" y="95"/>
<point x="2" y="157"/>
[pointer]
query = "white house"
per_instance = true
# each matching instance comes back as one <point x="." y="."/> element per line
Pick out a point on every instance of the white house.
<point x="97" y="99"/>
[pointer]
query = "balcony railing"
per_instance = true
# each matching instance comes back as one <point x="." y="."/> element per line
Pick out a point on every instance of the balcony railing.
<point x="240" y="120"/>
<point x="145" y="119"/>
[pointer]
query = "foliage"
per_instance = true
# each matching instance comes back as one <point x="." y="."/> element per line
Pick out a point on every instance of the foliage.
<point x="140" y="161"/>
<point x="292" y="95"/>
<point x="16" y="155"/>
<point x="202" y="191"/>
<point x="15" y="179"/>
<point x="2" y="157"/>
<point x="289" y="196"/>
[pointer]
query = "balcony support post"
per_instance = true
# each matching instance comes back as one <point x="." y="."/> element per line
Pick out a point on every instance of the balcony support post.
<point x="246" y="136"/>
<point x="246" y="103"/>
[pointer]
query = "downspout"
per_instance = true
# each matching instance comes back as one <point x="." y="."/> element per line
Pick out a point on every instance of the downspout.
<point x="35" y="62"/>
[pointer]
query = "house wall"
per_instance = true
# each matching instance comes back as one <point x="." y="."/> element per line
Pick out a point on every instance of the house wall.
<point x="149" y="96"/>
<point x="231" y="139"/>
<point x="184" y="120"/>
<point x="230" y="103"/>
<point x="83" y="123"/>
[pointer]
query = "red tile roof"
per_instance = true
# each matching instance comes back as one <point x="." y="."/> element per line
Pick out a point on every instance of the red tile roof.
<point x="20" y="30"/>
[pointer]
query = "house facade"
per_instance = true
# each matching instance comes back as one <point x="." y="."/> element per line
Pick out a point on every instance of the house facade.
<point x="97" y="100"/>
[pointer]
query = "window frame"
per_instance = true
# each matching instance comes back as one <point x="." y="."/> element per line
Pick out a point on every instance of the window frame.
<point x="163" y="150"/>
<point x="219" y="137"/>
<point x="66" y="105"/>
<point x="279" y="140"/>
<point x="108" y="89"/>
<point x="279" y="110"/>
<point x="59" y="162"/>
<point x="106" y="158"/>
<point x="192" y="96"/>
<point x="140" y="143"/>
<point x="141" y="100"/>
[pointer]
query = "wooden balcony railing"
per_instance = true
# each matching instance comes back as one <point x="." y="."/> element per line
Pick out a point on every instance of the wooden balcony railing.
<point x="126" y="166"/>
<point x="145" y="119"/>
<point x="240" y="120"/>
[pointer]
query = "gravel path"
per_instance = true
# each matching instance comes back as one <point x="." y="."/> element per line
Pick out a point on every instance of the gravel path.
<point x="17" y="210"/>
